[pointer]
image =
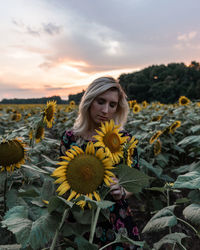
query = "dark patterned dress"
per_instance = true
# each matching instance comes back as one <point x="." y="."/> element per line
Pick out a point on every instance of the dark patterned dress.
<point x="120" y="214"/>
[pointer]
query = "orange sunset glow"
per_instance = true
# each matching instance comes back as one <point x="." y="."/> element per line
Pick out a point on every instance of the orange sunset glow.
<point x="59" y="47"/>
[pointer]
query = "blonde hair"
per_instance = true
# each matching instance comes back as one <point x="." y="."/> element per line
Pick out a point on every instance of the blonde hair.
<point x="96" y="88"/>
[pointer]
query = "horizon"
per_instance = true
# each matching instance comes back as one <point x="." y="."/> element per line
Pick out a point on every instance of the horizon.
<point x="71" y="43"/>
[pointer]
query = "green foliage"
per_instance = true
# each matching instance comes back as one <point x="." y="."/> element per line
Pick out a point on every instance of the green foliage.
<point x="172" y="238"/>
<point x="190" y="180"/>
<point x="162" y="219"/>
<point x="34" y="233"/>
<point x="132" y="179"/>
<point x="168" y="178"/>
<point x="163" y="83"/>
<point x="192" y="213"/>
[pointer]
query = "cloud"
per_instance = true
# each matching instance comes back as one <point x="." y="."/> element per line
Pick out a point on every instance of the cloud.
<point x="187" y="36"/>
<point x="44" y="28"/>
<point x="51" y="28"/>
<point x="136" y="34"/>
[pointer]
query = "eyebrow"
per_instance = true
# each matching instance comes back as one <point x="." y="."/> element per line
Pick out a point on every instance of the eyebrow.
<point x="101" y="98"/>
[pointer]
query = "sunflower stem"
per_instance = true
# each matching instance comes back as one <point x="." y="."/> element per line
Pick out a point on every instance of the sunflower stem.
<point x="53" y="244"/>
<point x="93" y="224"/>
<point x="4" y="192"/>
<point x="189" y="226"/>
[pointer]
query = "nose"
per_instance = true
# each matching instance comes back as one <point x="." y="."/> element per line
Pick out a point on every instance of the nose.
<point x="105" y="108"/>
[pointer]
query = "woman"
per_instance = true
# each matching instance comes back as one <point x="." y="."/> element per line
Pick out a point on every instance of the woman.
<point x="104" y="100"/>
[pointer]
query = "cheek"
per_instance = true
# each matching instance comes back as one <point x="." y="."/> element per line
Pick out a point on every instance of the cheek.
<point x="112" y="111"/>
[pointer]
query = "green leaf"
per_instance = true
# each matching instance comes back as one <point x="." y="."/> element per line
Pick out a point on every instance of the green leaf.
<point x="82" y="216"/>
<point x="13" y="200"/>
<point x="192" y="213"/>
<point x="157" y="170"/>
<point x="120" y="238"/>
<point x="82" y="243"/>
<point x="10" y="247"/>
<point x="28" y="193"/>
<point x="34" y="168"/>
<point x="27" y="232"/>
<point x="162" y="159"/>
<point x="182" y="200"/>
<point x="3" y="177"/>
<point x="16" y="220"/>
<point x="195" y="129"/>
<point x="43" y="230"/>
<point x="47" y="190"/>
<point x="194" y="196"/>
<point x="164" y="218"/>
<point x="159" y="189"/>
<point x="55" y="203"/>
<point x="49" y="160"/>
<point x="102" y="204"/>
<point x="132" y="179"/>
<point x="190" y="180"/>
<point x="75" y="229"/>
<point x="192" y="139"/>
<point x="171" y="239"/>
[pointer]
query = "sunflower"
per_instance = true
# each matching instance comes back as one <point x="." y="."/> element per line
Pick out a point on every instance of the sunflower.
<point x="16" y="117"/>
<point x="155" y="136"/>
<point x="198" y="104"/>
<point x="132" y="103"/>
<point x="144" y="104"/>
<point x="156" y="118"/>
<point x="157" y="147"/>
<point x="130" y="150"/>
<point x="68" y="109"/>
<point x="136" y="108"/>
<point x="183" y="101"/>
<point x="39" y="133"/>
<point x="49" y="113"/>
<point x="72" y="104"/>
<point x="12" y="154"/>
<point x="174" y="126"/>
<point x="111" y="140"/>
<point x="83" y="172"/>
<point x="30" y="134"/>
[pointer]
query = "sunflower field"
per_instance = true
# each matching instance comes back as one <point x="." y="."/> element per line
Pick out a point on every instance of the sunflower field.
<point x="36" y="198"/>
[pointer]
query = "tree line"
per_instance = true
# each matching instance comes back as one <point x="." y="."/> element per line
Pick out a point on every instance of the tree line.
<point x="42" y="100"/>
<point x="163" y="83"/>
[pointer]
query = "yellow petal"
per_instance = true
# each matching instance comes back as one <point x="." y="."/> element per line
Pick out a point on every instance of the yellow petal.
<point x="59" y="180"/>
<point x="106" y="182"/>
<point x="63" y="163"/>
<point x="109" y="173"/>
<point x="64" y="184"/>
<point x="73" y="193"/>
<point x="96" y="195"/>
<point x="64" y="189"/>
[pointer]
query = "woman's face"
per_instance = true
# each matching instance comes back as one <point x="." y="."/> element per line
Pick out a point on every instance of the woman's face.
<point x="104" y="107"/>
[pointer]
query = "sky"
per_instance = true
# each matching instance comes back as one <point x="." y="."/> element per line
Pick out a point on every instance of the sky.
<point x="58" y="47"/>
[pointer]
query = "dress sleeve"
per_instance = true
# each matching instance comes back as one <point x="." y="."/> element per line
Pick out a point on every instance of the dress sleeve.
<point x="67" y="140"/>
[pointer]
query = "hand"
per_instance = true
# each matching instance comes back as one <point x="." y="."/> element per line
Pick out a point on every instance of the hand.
<point x="116" y="190"/>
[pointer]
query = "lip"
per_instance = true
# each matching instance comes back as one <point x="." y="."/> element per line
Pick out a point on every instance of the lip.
<point x="103" y="118"/>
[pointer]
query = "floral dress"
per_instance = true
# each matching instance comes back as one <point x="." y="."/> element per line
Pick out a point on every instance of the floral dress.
<point x="121" y="217"/>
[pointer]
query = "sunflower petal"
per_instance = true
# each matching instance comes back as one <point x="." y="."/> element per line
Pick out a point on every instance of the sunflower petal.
<point x="96" y="195"/>
<point x="73" y="193"/>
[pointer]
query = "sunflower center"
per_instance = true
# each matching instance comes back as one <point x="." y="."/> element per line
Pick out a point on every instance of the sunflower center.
<point x="11" y="152"/>
<point x="49" y="113"/>
<point x="112" y="141"/>
<point x="39" y="132"/>
<point x="85" y="173"/>
<point x="184" y="101"/>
